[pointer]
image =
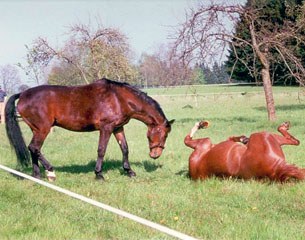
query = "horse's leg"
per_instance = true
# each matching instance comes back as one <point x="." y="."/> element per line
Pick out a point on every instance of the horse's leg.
<point x="242" y="139"/>
<point x="34" y="147"/>
<point x="103" y="142"/>
<point x="287" y="138"/>
<point x="189" y="141"/>
<point x="34" y="156"/>
<point x="120" y="137"/>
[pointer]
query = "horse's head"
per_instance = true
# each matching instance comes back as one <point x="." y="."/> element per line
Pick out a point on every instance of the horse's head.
<point x="157" y="135"/>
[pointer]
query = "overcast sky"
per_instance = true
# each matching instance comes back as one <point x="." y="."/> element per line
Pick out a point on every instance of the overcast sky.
<point x="146" y="23"/>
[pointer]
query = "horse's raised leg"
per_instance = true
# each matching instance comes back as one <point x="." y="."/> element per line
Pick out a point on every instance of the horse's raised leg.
<point x="287" y="138"/>
<point x="189" y="141"/>
<point x="120" y="137"/>
<point x="35" y="147"/>
<point x="103" y="142"/>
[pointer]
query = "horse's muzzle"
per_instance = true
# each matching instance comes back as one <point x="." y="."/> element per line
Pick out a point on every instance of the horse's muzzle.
<point x="155" y="152"/>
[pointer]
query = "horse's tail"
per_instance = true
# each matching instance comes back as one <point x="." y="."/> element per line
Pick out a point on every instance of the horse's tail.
<point x="290" y="171"/>
<point x="14" y="133"/>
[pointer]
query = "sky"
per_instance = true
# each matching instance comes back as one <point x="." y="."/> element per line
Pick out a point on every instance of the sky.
<point x="146" y="23"/>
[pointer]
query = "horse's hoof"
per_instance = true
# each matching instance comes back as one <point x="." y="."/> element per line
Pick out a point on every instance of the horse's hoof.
<point x="99" y="177"/>
<point x="51" y="176"/>
<point x="51" y="179"/>
<point x="131" y="173"/>
<point x="244" y="139"/>
<point x="287" y="124"/>
<point x="284" y="126"/>
<point x="204" y="124"/>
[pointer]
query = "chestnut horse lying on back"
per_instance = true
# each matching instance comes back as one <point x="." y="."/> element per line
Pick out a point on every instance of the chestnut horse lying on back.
<point x="257" y="157"/>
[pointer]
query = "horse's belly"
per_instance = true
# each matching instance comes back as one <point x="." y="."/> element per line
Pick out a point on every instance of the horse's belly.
<point x="85" y="123"/>
<point x="79" y="127"/>
<point x="224" y="159"/>
<point x="77" y="124"/>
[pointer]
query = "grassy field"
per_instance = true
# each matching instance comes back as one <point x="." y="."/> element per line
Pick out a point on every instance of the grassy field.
<point x="161" y="192"/>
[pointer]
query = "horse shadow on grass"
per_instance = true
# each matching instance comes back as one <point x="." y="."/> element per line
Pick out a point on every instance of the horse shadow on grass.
<point x="291" y="107"/>
<point x="108" y="165"/>
<point x="191" y="121"/>
<point x="183" y="173"/>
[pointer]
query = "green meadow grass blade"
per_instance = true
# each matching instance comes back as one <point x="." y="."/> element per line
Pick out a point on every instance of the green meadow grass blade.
<point x="161" y="192"/>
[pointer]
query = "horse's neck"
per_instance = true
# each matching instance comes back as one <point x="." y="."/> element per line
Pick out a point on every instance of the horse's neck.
<point x="147" y="118"/>
<point x="143" y="108"/>
<point x="148" y="115"/>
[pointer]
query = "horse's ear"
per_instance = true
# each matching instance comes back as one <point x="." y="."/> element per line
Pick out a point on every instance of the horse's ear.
<point x="171" y="122"/>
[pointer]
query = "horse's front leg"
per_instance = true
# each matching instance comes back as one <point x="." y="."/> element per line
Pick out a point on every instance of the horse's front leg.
<point x="193" y="143"/>
<point x="103" y="142"/>
<point x="120" y="137"/>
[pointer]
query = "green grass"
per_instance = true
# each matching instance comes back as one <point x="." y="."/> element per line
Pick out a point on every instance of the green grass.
<point x="161" y="192"/>
<point x="215" y="89"/>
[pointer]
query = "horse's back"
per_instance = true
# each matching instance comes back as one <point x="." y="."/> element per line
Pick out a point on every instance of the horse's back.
<point x="72" y="107"/>
<point x="42" y="94"/>
<point x="43" y="98"/>
<point x="76" y="108"/>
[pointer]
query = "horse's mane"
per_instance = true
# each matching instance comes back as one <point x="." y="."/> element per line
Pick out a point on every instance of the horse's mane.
<point x="142" y="95"/>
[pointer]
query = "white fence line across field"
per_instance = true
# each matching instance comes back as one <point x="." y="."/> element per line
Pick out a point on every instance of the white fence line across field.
<point x="122" y="213"/>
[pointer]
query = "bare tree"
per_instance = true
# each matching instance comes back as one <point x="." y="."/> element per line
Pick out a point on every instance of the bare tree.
<point x="159" y="69"/>
<point x="36" y="63"/>
<point x="209" y="31"/>
<point x="9" y="78"/>
<point x="89" y="53"/>
<point x="23" y="87"/>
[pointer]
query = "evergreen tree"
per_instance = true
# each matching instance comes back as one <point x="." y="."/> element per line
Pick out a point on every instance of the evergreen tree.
<point x="274" y="13"/>
<point x="215" y="75"/>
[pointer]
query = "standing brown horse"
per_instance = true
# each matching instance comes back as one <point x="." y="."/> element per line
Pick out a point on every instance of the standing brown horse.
<point x="258" y="157"/>
<point x="105" y="106"/>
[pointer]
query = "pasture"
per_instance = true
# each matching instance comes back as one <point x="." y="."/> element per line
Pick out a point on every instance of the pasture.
<point x="162" y="192"/>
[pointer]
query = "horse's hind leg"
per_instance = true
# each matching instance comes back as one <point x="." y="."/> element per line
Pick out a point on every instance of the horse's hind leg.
<point x="35" y="147"/>
<point x="287" y="138"/>
<point x="120" y="137"/>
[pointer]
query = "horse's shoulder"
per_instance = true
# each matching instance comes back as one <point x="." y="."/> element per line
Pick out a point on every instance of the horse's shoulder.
<point x="120" y="88"/>
<point x="102" y="81"/>
<point x="106" y="82"/>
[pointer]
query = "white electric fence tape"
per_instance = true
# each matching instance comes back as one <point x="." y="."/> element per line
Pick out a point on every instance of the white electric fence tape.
<point x="103" y="206"/>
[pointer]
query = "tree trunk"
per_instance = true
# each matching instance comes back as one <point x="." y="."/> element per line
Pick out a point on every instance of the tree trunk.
<point x="268" y="94"/>
<point x="262" y="56"/>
